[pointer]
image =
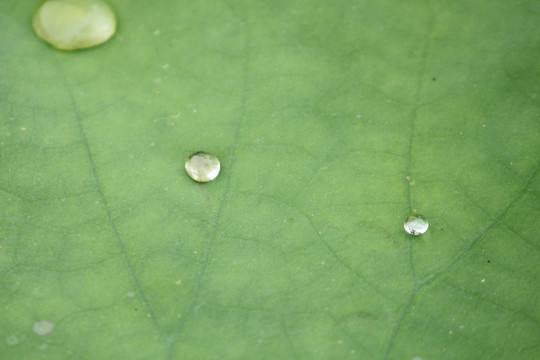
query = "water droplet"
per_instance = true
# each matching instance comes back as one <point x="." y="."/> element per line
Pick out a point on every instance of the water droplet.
<point x="74" y="24"/>
<point x="12" y="340"/>
<point x="202" y="167"/>
<point x="43" y="327"/>
<point x="416" y="224"/>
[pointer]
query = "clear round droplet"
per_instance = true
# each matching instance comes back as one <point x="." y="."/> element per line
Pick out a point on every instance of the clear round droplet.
<point x="416" y="224"/>
<point x="43" y="327"/>
<point x="202" y="166"/>
<point x="74" y="24"/>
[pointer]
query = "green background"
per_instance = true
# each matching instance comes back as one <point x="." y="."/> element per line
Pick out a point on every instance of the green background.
<point x="333" y="120"/>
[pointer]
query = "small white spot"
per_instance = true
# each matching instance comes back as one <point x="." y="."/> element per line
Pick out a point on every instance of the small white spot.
<point x="194" y="110"/>
<point x="12" y="340"/>
<point x="43" y="327"/>
<point x="130" y="294"/>
<point x="152" y="144"/>
<point x="417" y="358"/>
<point x="195" y="252"/>
<point x="461" y="327"/>
<point x="408" y="177"/>
<point x="483" y="281"/>
<point x="483" y="125"/>
<point x="178" y="282"/>
<point x="359" y="115"/>
<point x="166" y="189"/>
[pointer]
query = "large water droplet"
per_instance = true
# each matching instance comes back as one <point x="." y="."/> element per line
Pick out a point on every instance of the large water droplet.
<point x="202" y="167"/>
<point x="43" y="327"/>
<point x="416" y="224"/>
<point x="74" y="24"/>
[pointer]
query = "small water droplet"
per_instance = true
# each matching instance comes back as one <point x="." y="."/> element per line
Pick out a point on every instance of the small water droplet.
<point x="43" y="327"/>
<point x="416" y="224"/>
<point x="74" y="24"/>
<point x="12" y="340"/>
<point x="202" y="166"/>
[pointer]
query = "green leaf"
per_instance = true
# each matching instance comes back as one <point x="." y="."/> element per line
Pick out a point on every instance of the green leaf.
<point x="333" y="121"/>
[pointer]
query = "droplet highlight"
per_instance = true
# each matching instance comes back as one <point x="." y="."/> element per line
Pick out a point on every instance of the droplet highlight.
<point x="416" y="224"/>
<point x="202" y="166"/>
<point x="74" y="24"/>
<point x="43" y="327"/>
